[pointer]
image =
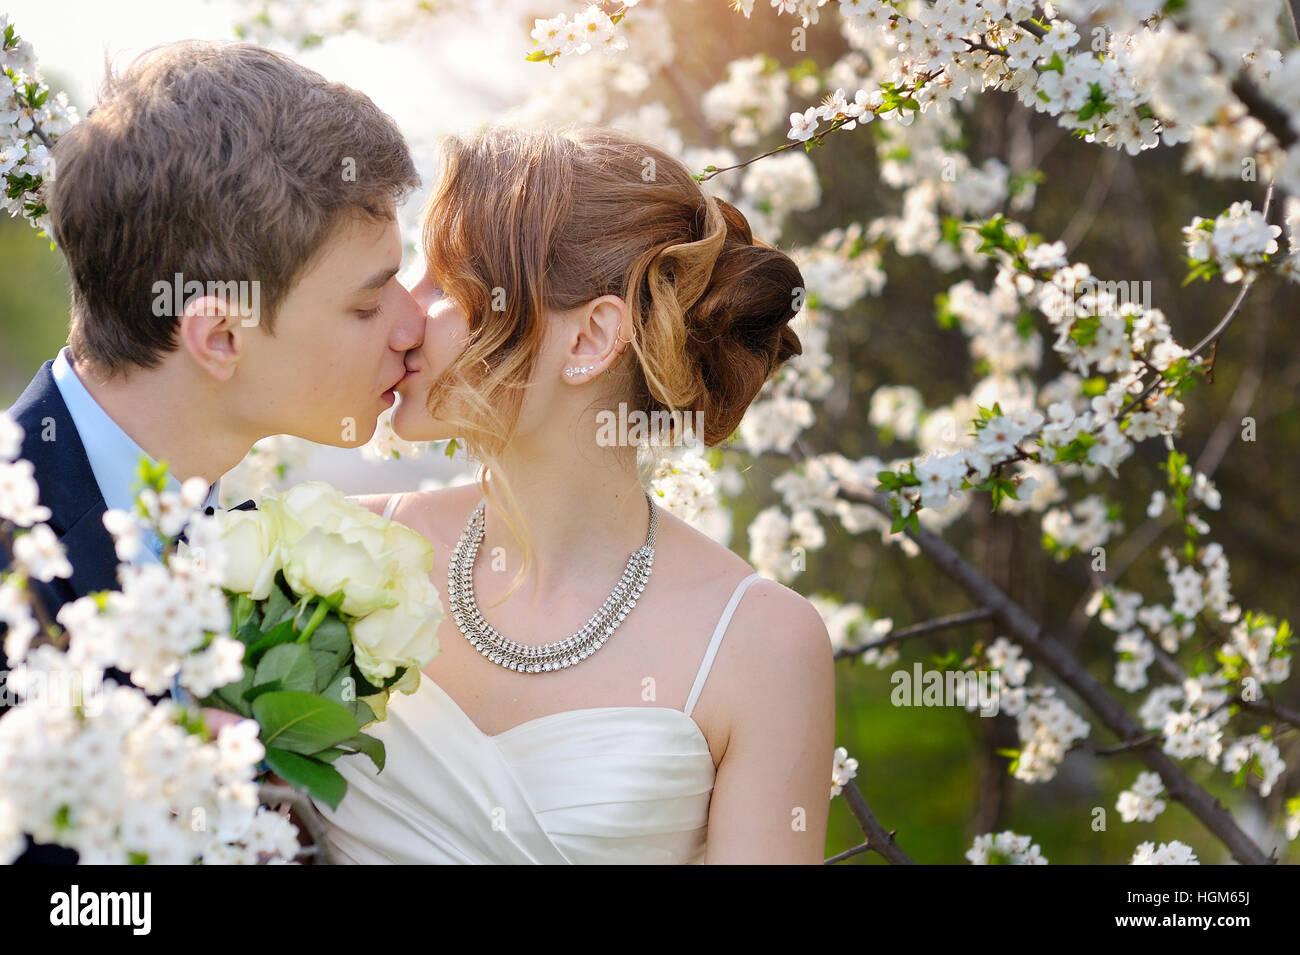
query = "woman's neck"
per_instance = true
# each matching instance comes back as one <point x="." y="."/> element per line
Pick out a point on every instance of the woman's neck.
<point x="583" y="520"/>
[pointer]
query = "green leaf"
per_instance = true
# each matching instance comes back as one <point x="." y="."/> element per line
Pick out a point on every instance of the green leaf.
<point x="359" y="709"/>
<point x="302" y="722"/>
<point x="283" y="633"/>
<point x="231" y="696"/>
<point x="331" y="635"/>
<point x="1084" y="330"/>
<point x="1013" y="755"/>
<point x="374" y="748"/>
<point x="889" y="480"/>
<point x="291" y="664"/>
<point x="259" y="688"/>
<point x="302" y="772"/>
<point x="1091" y="387"/>
<point x="950" y="230"/>
<point x="328" y="667"/>
<point x="1025" y="325"/>
<point x="278" y="606"/>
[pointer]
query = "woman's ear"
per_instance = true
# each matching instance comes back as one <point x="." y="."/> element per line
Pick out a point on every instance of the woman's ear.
<point x="212" y="334"/>
<point x="599" y="337"/>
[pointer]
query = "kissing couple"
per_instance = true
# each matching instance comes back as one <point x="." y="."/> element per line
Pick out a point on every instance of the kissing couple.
<point x="567" y="273"/>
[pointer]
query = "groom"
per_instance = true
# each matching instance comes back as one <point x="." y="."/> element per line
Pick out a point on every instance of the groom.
<point x="228" y="218"/>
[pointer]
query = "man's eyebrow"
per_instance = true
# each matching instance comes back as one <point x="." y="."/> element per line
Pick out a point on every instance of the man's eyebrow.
<point x="379" y="278"/>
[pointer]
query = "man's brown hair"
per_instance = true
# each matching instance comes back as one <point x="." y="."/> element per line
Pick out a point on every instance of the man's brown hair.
<point x="220" y="162"/>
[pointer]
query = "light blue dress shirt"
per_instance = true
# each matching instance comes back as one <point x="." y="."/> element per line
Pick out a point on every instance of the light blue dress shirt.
<point x="114" y="458"/>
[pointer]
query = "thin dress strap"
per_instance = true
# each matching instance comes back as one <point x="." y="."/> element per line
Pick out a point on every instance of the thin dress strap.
<point x="391" y="506"/>
<point x="716" y="642"/>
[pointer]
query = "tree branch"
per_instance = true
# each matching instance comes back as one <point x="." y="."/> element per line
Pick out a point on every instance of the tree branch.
<point x="1024" y="630"/>
<point x="1272" y="117"/>
<point x="40" y="134"/>
<point x="917" y="630"/>
<point x="877" y="838"/>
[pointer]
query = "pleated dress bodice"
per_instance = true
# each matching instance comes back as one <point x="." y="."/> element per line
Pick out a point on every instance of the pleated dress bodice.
<point x="596" y="785"/>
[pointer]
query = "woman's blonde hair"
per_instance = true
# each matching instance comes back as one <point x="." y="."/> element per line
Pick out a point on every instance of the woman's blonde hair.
<point x="523" y="222"/>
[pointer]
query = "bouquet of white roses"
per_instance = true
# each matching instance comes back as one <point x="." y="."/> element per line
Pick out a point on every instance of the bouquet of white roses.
<point x="335" y="609"/>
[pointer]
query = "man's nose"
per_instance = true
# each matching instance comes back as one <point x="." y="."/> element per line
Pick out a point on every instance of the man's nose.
<point x="408" y="331"/>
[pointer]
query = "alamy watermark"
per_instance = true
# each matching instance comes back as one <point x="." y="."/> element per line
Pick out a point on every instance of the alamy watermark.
<point x="130" y="909"/>
<point x="1090" y="297"/>
<point x="626" y="428"/>
<point x="969" y="689"/>
<point x="172" y="295"/>
<point x="56" y="689"/>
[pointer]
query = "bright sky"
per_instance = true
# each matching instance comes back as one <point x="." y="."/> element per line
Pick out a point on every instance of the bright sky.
<point x="452" y="79"/>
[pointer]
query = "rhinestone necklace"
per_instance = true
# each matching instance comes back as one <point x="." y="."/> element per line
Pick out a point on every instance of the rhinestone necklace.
<point x="549" y="656"/>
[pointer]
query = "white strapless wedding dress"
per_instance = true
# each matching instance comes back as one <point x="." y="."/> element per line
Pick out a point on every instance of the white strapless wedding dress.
<point x="597" y="785"/>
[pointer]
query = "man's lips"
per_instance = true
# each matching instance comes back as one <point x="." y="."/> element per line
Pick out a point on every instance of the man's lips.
<point x="391" y="391"/>
<point x="401" y="378"/>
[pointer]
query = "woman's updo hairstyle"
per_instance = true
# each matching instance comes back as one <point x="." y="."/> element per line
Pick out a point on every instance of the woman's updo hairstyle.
<point x="714" y="314"/>
<point x="523" y="221"/>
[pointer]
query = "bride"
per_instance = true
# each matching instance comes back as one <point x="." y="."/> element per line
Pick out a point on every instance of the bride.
<point x="571" y="273"/>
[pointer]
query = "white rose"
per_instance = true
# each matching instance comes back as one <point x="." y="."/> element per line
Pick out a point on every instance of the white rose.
<point x="322" y="563"/>
<point x="400" y="636"/>
<point x="251" y="551"/>
<point x="413" y="551"/>
<point x="332" y="544"/>
<point x="315" y="504"/>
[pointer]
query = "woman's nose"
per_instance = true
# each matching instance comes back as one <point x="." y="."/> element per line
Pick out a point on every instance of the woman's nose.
<point x="423" y="291"/>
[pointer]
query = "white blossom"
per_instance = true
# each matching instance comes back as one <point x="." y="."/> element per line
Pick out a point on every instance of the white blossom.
<point x="1171" y="853"/>
<point x="1007" y="846"/>
<point x="1141" y="803"/>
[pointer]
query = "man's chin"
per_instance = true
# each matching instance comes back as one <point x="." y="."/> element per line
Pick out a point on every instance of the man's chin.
<point x="352" y="433"/>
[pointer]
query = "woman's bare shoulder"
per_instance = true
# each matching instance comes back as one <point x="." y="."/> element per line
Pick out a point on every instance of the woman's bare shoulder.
<point x="439" y="513"/>
<point x="371" y="502"/>
<point x="767" y="606"/>
<point x="776" y="646"/>
<point x="429" y="508"/>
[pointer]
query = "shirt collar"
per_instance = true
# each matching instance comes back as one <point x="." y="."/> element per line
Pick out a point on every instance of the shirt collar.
<point x="114" y="457"/>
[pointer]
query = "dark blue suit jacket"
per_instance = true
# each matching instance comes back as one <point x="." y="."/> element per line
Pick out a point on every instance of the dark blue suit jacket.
<point x="68" y="488"/>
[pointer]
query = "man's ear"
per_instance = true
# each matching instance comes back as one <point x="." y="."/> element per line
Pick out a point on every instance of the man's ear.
<point x="601" y="334"/>
<point x="212" y="333"/>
